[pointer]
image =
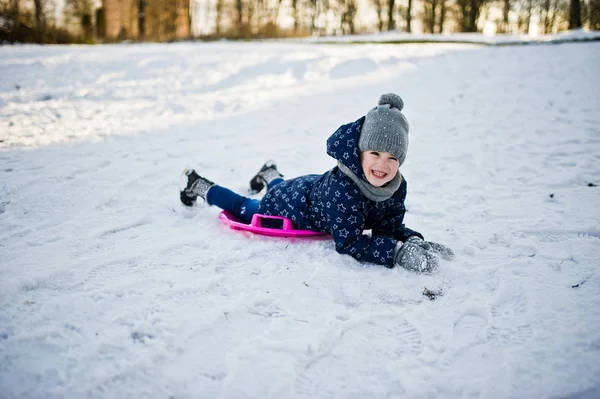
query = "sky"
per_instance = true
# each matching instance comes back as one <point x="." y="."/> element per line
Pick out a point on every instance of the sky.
<point x="110" y="288"/>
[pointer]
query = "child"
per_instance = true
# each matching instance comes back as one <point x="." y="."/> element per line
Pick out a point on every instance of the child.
<point x="365" y="191"/>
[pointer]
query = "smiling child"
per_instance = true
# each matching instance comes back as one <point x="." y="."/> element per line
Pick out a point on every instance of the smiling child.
<point x="365" y="191"/>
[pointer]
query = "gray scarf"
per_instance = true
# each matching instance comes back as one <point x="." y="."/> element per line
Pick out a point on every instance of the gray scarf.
<point x="373" y="193"/>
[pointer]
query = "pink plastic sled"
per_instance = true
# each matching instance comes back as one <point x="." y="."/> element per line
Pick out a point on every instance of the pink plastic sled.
<point x="274" y="226"/>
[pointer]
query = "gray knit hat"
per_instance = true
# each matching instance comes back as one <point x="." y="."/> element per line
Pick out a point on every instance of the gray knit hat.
<point x="385" y="128"/>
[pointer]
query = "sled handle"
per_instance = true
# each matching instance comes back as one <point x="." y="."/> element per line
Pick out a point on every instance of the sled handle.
<point x="273" y="222"/>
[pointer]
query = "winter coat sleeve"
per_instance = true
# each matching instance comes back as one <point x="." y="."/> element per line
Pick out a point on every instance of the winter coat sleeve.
<point x="393" y="225"/>
<point x="347" y="224"/>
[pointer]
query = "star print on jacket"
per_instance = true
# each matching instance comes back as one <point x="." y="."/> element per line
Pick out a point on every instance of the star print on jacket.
<point x="332" y="203"/>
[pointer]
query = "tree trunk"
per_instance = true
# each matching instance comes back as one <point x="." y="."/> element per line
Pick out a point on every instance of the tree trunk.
<point x="142" y="19"/>
<point x="575" y="15"/>
<point x="546" y="12"/>
<point x="380" y="20"/>
<point x="239" y="8"/>
<point x="348" y="16"/>
<point x="379" y="12"/>
<point x="433" y="15"/>
<point x="219" y="16"/>
<point x="172" y="12"/>
<point x="529" y="12"/>
<point x="469" y="12"/>
<point x="442" y="16"/>
<point x="594" y="14"/>
<point x="473" y="15"/>
<point x="505" y="14"/>
<point x="14" y="13"/>
<point x="313" y="16"/>
<point x="351" y="16"/>
<point x="295" y="15"/>
<point x="464" y="15"/>
<point x="408" y="16"/>
<point x="39" y="20"/>
<point x="251" y="13"/>
<point x="391" y="22"/>
<point x="554" y="13"/>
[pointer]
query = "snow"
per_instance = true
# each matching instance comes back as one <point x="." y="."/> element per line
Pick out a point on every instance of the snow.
<point x="109" y="288"/>
<point x="474" y="38"/>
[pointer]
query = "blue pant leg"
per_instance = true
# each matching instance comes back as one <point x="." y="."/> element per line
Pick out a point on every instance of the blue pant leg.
<point x="242" y="208"/>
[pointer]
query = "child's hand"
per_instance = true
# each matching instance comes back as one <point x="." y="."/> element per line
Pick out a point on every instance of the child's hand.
<point x="414" y="257"/>
<point x="441" y="250"/>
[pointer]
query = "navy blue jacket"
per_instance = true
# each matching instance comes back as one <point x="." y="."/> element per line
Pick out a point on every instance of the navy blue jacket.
<point x="332" y="203"/>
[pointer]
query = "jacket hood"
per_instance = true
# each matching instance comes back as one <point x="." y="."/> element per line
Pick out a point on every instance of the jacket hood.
<point x="342" y="145"/>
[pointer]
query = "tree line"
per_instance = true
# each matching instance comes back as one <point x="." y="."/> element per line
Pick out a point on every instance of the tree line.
<point x="258" y="18"/>
<point x="80" y="21"/>
<point x="37" y="21"/>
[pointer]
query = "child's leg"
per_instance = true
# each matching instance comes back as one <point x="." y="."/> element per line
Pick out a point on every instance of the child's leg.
<point x="242" y="208"/>
<point x="274" y="182"/>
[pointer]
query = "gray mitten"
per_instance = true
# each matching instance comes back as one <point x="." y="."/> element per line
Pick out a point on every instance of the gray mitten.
<point x="441" y="250"/>
<point x="415" y="258"/>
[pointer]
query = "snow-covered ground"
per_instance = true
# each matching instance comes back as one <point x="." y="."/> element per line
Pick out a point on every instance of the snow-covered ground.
<point x="475" y="38"/>
<point x="109" y="288"/>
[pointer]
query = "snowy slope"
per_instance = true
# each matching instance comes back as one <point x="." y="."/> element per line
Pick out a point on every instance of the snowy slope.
<point x="109" y="288"/>
<point x="475" y="38"/>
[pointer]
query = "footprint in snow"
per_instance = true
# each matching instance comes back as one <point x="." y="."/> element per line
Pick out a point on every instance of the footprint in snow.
<point x="468" y="327"/>
<point x="467" y="334"/>
<point x="510" y="305"/>
<point x="103" y="275"/>
<point x="362" y="358"/>
<point x="509" y="324"/>
<point x="510" y="336"/>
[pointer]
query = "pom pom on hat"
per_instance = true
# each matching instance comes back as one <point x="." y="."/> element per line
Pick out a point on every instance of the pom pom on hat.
<point x="392" y="99"/>
<point x="385" y="128"/>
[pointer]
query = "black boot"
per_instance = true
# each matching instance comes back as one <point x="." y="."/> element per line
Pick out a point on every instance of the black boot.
<point x="265" y="175"/>
<point x="192" y="186"/>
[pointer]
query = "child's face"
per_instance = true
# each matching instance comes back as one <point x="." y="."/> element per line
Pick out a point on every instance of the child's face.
<point x="380" y="167"/>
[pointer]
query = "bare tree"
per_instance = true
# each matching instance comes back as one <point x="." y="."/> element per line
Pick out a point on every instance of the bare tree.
<point x="379" y="11"/>
<point x="239" y="7"/>
<point x="442" y="19"/>
<point x="409" y="16"/>
<point x="267" y="13"/>
<point x="296" y="15"/>
<point x="529" y="6"/>
<point x="142" y="19"/>
<point x="503" y="27"/>
<point x="79" y="12"/>
<point x="163" y="20"/>
<point x="40" y="20"/>
<point x="317" y="8"/>
<point x="594" y="12"/>
<point x="549" y="10"/>
<point x="434" y="15"/>
<point x="219" y="9"/>
<point x="244" y="17"/>
<point x="152" y="22"/>
<point x="5" y="7"/>
<point x="348" y="16"/>
<point x="10" y="10"/>
<point x="469" y="14"/>
<point x="575" y="14"/>
<point x="390" y="15"/>
<point x="250" y="12"/>
<point x="429" y="15"/>
<point x="171" y="8"/>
